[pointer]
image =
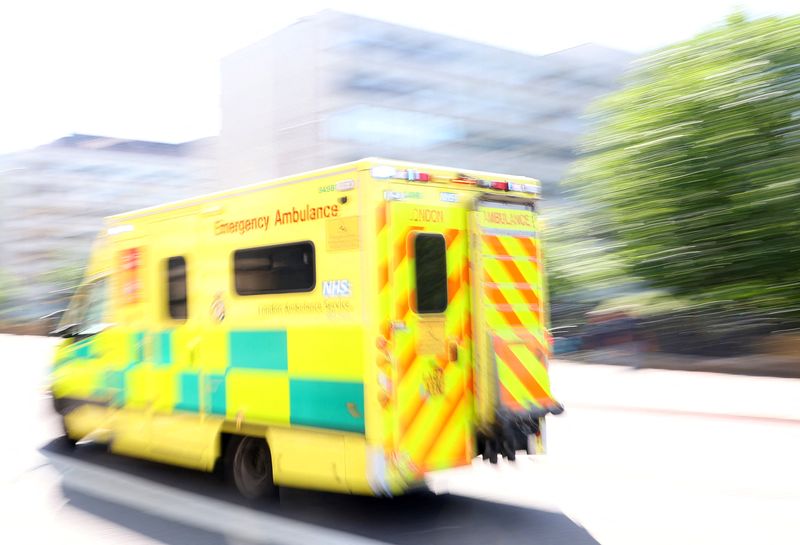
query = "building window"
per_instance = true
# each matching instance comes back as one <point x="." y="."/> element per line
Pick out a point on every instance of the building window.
<point x="376" y="125"/>
<point x="284" y="268"/>
<point x="378" y="83"/>
<point x="176" y="288"/>
<point x="430" y="258"/>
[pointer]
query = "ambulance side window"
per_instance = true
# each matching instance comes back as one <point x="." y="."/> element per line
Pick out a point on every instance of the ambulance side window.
<point x="91" y="309"/>
<point x="430" y="270"/>
<point x="284" y="268"/>
<point x="97" y="304"/>
<point x="77" y="307"/>
<point x="176" y="288"/>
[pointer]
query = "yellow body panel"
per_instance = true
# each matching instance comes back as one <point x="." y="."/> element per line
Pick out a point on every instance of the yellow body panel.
<point x="352" y="388"/>
<point x="249" y="389"/>
<point x="343" y="352"/>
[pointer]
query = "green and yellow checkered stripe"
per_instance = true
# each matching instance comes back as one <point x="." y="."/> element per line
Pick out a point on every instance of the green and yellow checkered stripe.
<point x="258" y="376"/>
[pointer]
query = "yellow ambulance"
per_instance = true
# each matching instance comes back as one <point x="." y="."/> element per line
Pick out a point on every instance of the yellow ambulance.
<point x="348" y="329"/>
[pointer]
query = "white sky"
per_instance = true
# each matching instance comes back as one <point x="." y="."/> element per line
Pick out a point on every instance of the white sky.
<point x="149" y="69"/>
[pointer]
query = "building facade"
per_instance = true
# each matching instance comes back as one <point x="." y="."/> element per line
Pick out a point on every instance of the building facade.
<point x="53" y="199"/>
<point x="336" y="87"/>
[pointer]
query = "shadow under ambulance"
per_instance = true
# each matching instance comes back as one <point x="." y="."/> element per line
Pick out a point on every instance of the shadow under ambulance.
<point x="412" y="519"/>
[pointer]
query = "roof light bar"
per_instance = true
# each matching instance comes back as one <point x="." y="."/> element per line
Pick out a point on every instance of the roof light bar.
<point x="412" y="175"/>
<point x="387" y="173"/>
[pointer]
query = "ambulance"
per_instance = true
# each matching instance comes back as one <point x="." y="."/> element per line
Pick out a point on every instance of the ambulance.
<point x="349" y="329"/>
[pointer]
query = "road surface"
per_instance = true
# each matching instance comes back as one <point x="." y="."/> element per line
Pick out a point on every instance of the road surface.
<point x="649" y="456"/>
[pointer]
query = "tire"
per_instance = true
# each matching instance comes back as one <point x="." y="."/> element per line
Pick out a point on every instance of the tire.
<point x="63" y="410"/>
<point x="68" y="442"/>
<point x="248" y="463"/>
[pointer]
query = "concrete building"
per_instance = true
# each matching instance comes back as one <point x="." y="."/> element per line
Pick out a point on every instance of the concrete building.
<point x="53" y="199"/>
<point x="336" y="87"/>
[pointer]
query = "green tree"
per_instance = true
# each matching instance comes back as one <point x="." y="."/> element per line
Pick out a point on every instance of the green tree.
<point x="694" y="167"/>
<point x="7" y="290"/>
<point x="580" y="263"/>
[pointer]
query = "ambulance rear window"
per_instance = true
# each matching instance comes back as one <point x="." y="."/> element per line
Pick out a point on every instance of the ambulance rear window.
<point x="275" y="269"/>
<point x="431" y="273"/>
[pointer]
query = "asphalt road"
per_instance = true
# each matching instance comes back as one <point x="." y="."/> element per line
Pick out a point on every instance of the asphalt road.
<point x="655" y="457"/>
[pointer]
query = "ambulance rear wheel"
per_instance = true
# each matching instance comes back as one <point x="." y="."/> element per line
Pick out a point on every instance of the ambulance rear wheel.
<point x="61" y="407"/>
<point x="249" y="464"/>
<point x="66" y="440"/>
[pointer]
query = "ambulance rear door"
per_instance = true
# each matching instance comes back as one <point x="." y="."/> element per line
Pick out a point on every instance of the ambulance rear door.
<point x="430" y="335"/>
<point x="512" y="385"/>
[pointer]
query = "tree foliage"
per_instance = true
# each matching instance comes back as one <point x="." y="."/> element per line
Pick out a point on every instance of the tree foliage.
<point x="694" y="166"/>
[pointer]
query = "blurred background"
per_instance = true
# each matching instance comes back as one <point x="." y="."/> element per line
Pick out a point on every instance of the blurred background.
<point x="666" y="138"/>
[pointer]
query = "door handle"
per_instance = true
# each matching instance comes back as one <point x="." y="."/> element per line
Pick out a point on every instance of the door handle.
<point x="352" y="408"/>
<point x="453" y="351"/>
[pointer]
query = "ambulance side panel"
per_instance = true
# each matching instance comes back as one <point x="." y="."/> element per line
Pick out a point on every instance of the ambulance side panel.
<point x="286" y="364"/>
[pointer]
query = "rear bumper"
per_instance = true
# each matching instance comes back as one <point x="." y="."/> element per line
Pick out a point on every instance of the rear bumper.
<point x="511" y="431"/>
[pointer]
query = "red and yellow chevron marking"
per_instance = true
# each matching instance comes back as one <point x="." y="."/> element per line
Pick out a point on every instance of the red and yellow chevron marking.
<point x="387" y="378"/>
<point x="433" y="429"/>
<point x="514" y="314"/>
<point x="511" y="283"/>
<point x="522" y="374"/>
<point x="382" y="228"/>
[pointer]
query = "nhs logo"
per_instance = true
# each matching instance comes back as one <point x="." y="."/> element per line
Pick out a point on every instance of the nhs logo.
<point x="336" y="288"/>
